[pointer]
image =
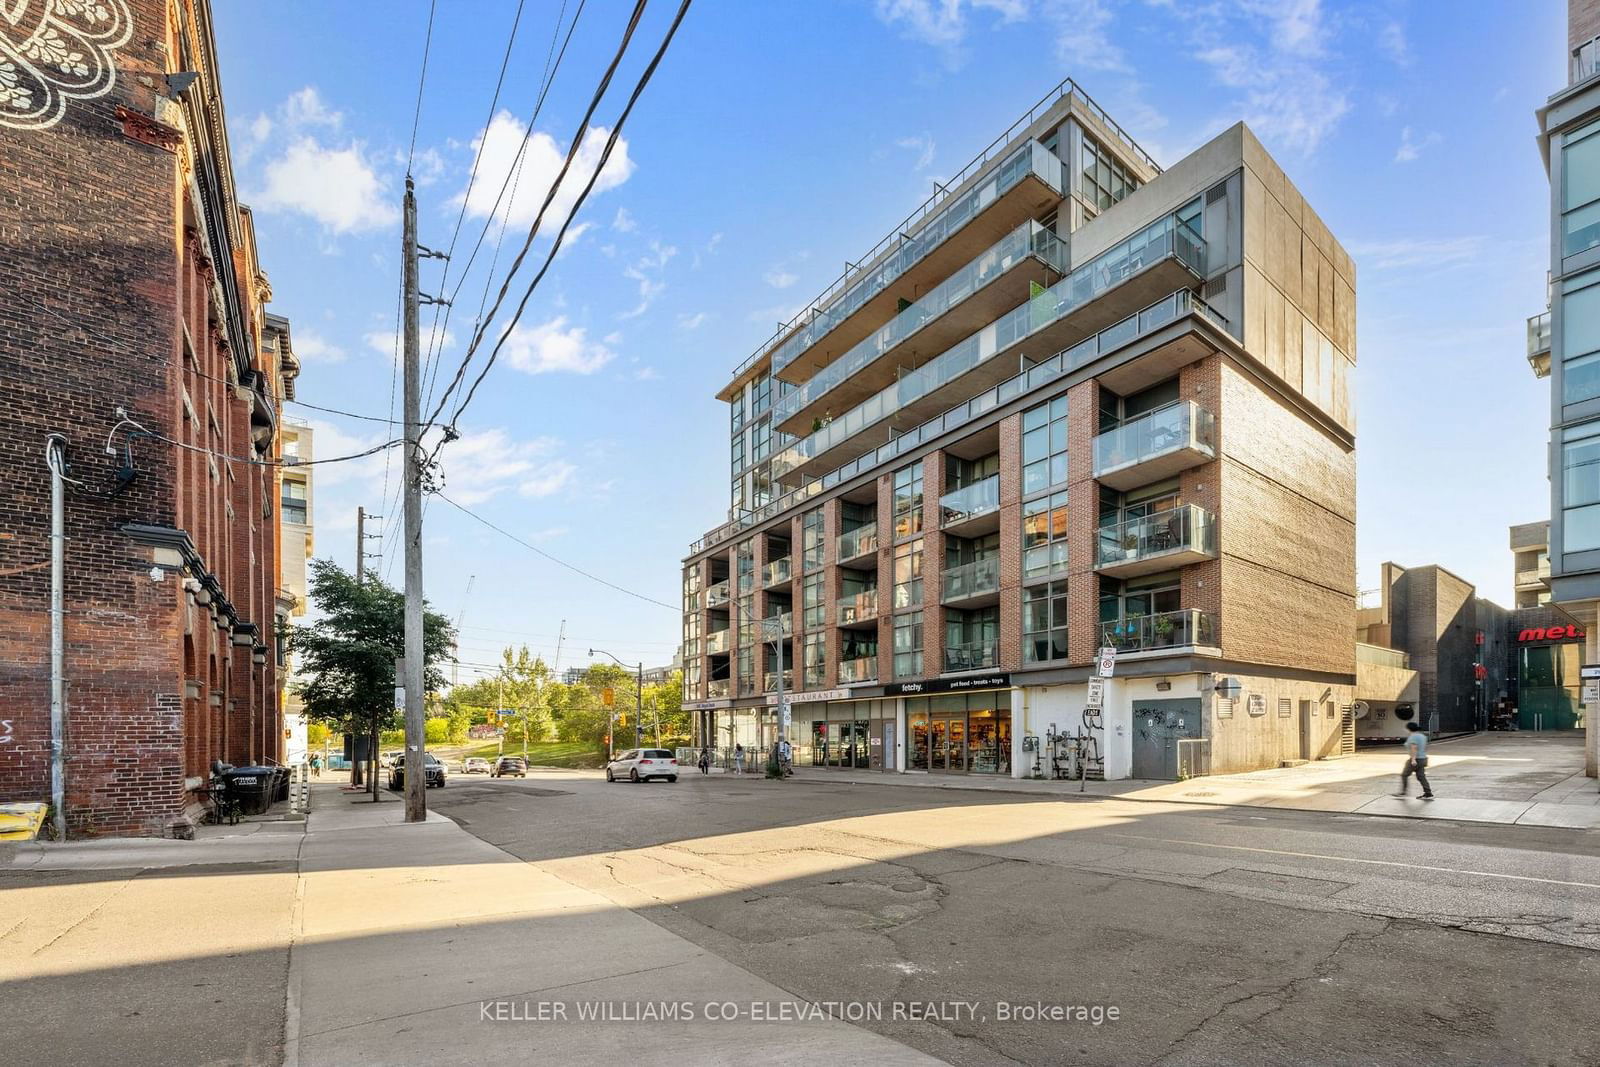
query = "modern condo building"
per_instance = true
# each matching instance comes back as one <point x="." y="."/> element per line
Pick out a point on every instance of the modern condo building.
<point x="1073" y="401"/>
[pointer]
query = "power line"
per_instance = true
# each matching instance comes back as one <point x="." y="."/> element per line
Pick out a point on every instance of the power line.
<point x="555" y="247"/>
<point x="561" y="562"/>
<point x="422" y="80"/>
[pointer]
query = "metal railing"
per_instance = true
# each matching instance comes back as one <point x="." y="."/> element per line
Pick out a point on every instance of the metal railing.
<point x="1382" y="657"/>
<point x="785" y="622"/>
<point x="969" y="502"/>
<point x="1167" y="629"/>
<point x="1153" y="317"/>
<point x="717" y="641"/>
<point x="1187" y="526"/>
<point x="779" y="570"/>
<point x="1029" y="239"/>
<point x="972" y="656"/>
<point x="1194" y="757"/>
<point x="718" y="594"/>
<point x="859" y="608"/>
<point x="1183" y="424"/>
<point x="971" y="579"/>
<point x="858" y="542"/>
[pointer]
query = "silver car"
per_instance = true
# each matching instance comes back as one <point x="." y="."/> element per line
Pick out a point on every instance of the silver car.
<point x="643" y="764"/>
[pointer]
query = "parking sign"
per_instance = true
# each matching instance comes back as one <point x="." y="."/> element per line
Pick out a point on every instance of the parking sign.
<point x="1108" y="661"/>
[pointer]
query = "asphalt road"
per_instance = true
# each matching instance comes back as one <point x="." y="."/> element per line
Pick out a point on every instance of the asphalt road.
<point x="1221" y="936"/>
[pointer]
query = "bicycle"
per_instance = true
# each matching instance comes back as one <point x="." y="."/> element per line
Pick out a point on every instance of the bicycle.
<point x="223" y="807"/>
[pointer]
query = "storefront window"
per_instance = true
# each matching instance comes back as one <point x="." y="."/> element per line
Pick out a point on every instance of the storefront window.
<point x="917" y="734"/>
<point x="960" y="733"/>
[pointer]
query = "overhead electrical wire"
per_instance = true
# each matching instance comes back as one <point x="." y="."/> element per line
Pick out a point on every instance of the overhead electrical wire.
<point x="422" y="81"/>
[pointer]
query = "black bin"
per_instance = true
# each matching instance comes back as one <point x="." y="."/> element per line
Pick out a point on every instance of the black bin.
<point x="252" y="787"/>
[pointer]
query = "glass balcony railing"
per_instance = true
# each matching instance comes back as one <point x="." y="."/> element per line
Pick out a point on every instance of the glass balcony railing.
<point x="1184" y="424"/>
<point x="717" y="641"/>
<point x="829" y="310"/>
<point x="980" y="577"/>
<point x="719" y="689"/>
<point x="858" y="608"/>
<point x="776" y="572"/>
<point x="979" y="498"/>
<point x="858" y="542"/>
<point x="1029" y="239"/>
<point x="1183" y="528"/>
<point x="718" y="594"/>
<point x="785" y="621"/>
<point x="788" y="681"/>
<point x="1166" y="629"/>
<point x="1381" y="656"/>
<point x="1157" y="315"/>
<point x="862" y="669"/>
<point x="1163" y="238"/>
<point x="972" y="655"/>
<point x="1539" y="333"/>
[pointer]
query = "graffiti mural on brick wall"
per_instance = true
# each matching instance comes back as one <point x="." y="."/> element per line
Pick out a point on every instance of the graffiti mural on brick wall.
<point x="56" y="51"/>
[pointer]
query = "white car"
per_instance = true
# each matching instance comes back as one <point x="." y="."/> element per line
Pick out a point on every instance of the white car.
<point x="475" y="765"/>
<point x="643" y="764"/>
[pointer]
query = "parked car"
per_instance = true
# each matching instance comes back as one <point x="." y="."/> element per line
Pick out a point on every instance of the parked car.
<point x="433" y="772"/>
<point x="475" y="765"/>
<point x="387" y="759"/>
<point x="506" y="766"/>
<point x="643" y="764"/>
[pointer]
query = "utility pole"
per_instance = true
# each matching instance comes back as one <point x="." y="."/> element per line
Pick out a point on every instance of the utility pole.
<point x="361" y="544"/>
<point x="416" y="779"/>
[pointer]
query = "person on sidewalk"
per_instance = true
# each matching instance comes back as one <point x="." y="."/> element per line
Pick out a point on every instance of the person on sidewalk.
<point x="1416" y="761"/>
<point x="785" y="758"/>
<point x="738" y="759"/>
<point x="705" y="760"/>
<point x="316" y="766"/>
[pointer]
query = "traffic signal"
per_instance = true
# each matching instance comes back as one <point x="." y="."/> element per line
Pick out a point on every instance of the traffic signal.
<point x="608" y="696"/>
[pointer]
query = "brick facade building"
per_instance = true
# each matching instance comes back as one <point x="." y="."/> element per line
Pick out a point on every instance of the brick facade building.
<point x="132" y="325"/>
<point x="1074" y="401"/>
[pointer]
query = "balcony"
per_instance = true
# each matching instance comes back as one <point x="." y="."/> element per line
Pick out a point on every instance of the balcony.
<point x="859" y="610"/>
<point x="717" y="595"/>
<point x="972" y="656"/>
<point x="719" y="689"/>
<point x="1539" y="344"/>
<point x="717" y="642"/>
<point x="1155" y="445"/>
<point x="973" y="509"/>
<point x="972" y="583"/>
<point x="977" y="293"/>
<point x="778" y="572"/>
<point x="785" y="621"/>
<point x="1538" y="578"/>
<point x="772" y="681"/>
<point x="1022" y="187"/>
<point x="1168" y="629"/>
<point x="857" y="545"/>
<point x="1160" y="541"/>
<point x="1159" y="258"/>
<point x="862" y="669"/>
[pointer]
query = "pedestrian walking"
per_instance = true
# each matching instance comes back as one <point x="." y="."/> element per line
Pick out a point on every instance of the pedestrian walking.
<point x="316" y="766"/>
<point x="705" y="760"/>
<point x="738" y="759"/>
<point x="1416" y="761"/>
<point x="785" y="758"/>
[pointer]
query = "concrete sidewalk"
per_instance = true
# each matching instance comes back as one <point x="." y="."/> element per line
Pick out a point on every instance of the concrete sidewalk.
<point x="1513" y="779"/>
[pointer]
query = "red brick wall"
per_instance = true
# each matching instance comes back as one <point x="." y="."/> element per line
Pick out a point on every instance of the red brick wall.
<point x="1083" y="500"/>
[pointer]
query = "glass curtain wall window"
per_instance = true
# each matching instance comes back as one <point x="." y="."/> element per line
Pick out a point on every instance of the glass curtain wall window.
<point x="744" y="566"/>
<point x="908" y="645"/>
<point x="908" y="500"/>
<point x="1580" y="337"/>
<point x="811" y="540"/>
<point x="815" y="659"/>
<point x="1104" y="180"/>
<point x="294" y="501"/>
<point x="908" y="575"/>
<point x="811" y="613"/>
<point x="1044" y="535"/>
<point x="1580" y="487"/>
<point x="1044" y="622"/>
<point x="1044" y="446"/>
<point x="1580" y="189"/>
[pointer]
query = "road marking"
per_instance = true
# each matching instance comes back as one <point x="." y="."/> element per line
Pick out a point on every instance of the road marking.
<point x="1353" y="859"/>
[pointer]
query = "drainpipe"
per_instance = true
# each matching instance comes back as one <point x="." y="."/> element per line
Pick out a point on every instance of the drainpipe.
<point x="55" y="458"/>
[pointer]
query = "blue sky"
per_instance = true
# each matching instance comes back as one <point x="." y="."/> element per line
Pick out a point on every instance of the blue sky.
<point x="779" y="140"/>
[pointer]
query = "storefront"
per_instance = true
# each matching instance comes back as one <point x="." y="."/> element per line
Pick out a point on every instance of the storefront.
<point x="1547" y="658"/>
<point x="961" y="726"/>
<point x="851" y="734"/>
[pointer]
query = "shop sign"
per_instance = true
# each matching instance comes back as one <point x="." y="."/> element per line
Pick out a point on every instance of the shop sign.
<point x="707" y="705"/>
<point x="816" y="696"/>
<point x="1551" y="633"/>
<point x="948" y="685"/>
<point x="1591" y="693"/>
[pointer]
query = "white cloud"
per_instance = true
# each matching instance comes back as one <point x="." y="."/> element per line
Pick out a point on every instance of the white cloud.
<point x="943" y="23"/>
<point x="1082" y="40"/>
<point x="553" y="347"/>
<point x="646" y="271"/>
<point x="337" y="187"/>
<point x="1392" y="40"/>
<point x="1410" y="148"/>
<point x="306" y="108"/>
<point x="485" y="463"/>
<point x="922" y="145"/>
<point x="501" y="150"/>
<point x="691" y="322"/>
<point x="432" y="339"/>
<point x="1410" y="253"/>
<point x="779" y="278"/>
<point x="312" y="347"/>
<point x="427" y="166"/>
<point x="646" y="374"/>
<point x="624" y="221"/>
<point x="260" y="128"/>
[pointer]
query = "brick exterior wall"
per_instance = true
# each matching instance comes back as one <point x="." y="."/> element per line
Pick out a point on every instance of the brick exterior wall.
<point x="113" y="303"/>
<point x="932" y="565"/>
<point x="1011" y="542"/>
<point x="1083" y="501"/>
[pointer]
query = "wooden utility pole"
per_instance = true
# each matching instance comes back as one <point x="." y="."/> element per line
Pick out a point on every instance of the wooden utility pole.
<point x="416" y="778"/>
<point x="361" y="544"/>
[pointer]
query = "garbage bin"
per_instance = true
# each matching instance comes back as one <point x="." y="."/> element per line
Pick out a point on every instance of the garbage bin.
<point x="281" y="792"/>
<point x="252" y="787"/>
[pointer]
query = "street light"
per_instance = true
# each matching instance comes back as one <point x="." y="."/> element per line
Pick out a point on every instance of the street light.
<point x="638" y="716"/>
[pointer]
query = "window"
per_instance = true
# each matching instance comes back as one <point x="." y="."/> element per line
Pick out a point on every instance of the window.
<point x="811" y="540"/>
<point x="908" y="645"/>
<point x="294" y="501"/>
<point x="816" y="656"/>
<point x="1044" y="535"/>
<point x="745" y="673"/>
<point x="736" y="452"/>
<point x="760" y="441"/>
<point x="1104" y="181"/>
<point x="1580" y="189"/>
<point x="761" y="397"/>
<point x="1044" y="446"/>
<point x="811" y="614"/>
<point x="748" y="628"/>
<point x="1044" y="622"/>
<point x="744" y="565"/>
<point x="1580" y="338"/>
<point x="908" y="500"/>
<point x="908" y="575"/>
<point x="1580" y="487"/>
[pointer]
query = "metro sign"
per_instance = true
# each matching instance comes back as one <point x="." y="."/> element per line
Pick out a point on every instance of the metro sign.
<point x="1551" y="633"/>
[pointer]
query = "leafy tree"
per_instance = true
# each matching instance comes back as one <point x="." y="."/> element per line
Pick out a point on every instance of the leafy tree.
<point x="347" y="656"/>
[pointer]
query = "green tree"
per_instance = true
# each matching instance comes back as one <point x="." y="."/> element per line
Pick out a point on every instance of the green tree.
<point x="347" y="656"/>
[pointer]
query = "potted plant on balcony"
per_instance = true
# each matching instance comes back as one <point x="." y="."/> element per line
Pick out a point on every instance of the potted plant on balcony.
<point x="1165" y="627"/>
